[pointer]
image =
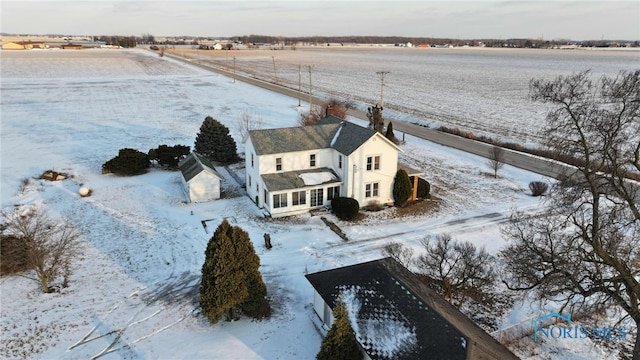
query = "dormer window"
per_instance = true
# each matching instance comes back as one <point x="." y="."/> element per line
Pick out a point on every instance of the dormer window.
<point x="312" y="160"/>
<point x="278" y="164"/>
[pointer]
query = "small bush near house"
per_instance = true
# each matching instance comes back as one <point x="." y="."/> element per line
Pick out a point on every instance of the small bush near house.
<point x="401" y="188"/>
<point x="128" y="162"/>
<point x="424" y="189"/>
<point x="538" y="188"/>
<point x="345" y="208"/>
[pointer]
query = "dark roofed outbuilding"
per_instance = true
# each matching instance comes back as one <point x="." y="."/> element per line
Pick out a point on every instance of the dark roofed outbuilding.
<point x="390" y="301"/>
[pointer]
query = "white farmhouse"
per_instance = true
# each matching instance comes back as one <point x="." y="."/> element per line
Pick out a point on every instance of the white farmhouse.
<point x="200" y="180"/>
<point x="292" y="170"/>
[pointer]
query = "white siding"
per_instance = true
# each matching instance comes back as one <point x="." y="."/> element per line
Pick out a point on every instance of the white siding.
<point x="353" y="178"/>
<point x="255" y="190"/>
<point x="376" y="146"/>
<point x="204" y="187"/>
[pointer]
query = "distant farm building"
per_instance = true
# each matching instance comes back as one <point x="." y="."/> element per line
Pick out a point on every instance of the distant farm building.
<point x="23" y="45"/>
<point x="71" y="46"/>
<point x="200" y="180"/>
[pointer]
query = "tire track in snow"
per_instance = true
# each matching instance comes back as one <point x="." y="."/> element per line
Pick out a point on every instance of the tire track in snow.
<point x="122" y="332"/>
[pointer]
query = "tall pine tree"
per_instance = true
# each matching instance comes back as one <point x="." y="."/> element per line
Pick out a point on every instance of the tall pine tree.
<point x="214" y="142"/>
<point x="340" y="342"/>
<point x="256" y="304"/>
<point x="231" y="277"/>
<point x="223" y="286"/>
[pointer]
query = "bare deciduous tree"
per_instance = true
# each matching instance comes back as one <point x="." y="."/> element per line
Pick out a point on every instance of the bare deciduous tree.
<point x="51" y="245"/>
<point x="334" y="107"/>
<point x="376" y="119"/>
<point x="463" y="274"/>
<point x="584" y="249"/>
<point x="496" y="159"/>
<point x="399" y="253"/>
<point x="247" y="122"/>
<point x="460" y="270"/>
<point x="310" y="118"/>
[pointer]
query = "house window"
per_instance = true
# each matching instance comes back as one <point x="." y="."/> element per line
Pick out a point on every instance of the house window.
<point x="278" y="164"/>
<point x="333" y="192"/>
<point x="339" y="161"/>
<point x="252" y="160"/>
<point x="279" y="200"/>
<point x="316" y="197"/>
<point x="312" y="160"/>
<point x="299" y="198"/>
<point x="371" y="190"/>
<point x="249" y="180"/>
<point x="266" y="198"/>
<point x="373" y="163"/>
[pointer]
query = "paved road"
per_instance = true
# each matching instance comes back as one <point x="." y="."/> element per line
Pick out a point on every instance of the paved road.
<point x="536" y="164"/>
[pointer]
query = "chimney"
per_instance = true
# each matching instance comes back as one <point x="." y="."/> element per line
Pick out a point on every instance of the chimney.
<point x="329" y="110"/>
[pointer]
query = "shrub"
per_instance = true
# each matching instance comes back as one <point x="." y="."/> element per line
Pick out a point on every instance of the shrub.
<point x="401" y="187"/>
<point x="169" y="156"/>
<point x="345" y="208"/>
<point x="538" y="188"/>
<point x="424" y="189"/>
<point x="390" y="135"/>
<point x="128" y="162"/>
<point x="13" y="255"/>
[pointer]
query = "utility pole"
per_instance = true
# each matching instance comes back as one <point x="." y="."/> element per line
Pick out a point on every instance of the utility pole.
<point x="275" y="74"/>
<point x="299" y="83"/>
<point x="381" y="75"/>
<point x="310" y="103"/>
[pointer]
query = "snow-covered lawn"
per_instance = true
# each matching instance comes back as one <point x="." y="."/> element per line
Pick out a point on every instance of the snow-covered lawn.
<point x="133" y="292"/>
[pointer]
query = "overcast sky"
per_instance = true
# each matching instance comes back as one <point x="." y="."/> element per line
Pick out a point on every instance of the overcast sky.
<point x="475" y="19"/>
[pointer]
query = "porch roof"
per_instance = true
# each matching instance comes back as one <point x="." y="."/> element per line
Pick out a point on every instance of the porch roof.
<point x="291" y="180"/>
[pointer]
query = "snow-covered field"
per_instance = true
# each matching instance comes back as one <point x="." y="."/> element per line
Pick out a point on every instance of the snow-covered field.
<point x="484" y="90"/>
<point x="133" y="292"/>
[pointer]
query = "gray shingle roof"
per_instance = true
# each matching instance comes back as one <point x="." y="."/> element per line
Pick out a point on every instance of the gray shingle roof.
<point x="194" y="164"/>
<point x="330" y="132"/>
<point x="390" y="297"/>
<point x="291" y="180"/>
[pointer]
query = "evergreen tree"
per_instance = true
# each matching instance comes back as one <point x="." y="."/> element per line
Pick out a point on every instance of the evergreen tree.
<point x="401" y="187"/>
<point x="215" y="143"/>
<point x="340" y="342"/>
<point x="255" y="304"/>
<point x="169" y="156"/>
<point x="223" y="286"/>
<point x="390" y="135"/>
<point x="128" y="162"/>
<point x="231" y="277"/>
